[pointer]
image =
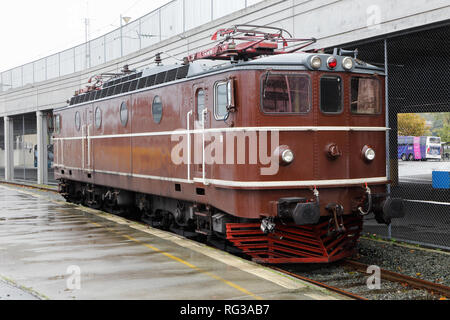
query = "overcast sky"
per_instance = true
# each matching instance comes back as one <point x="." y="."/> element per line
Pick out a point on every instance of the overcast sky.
<point x="33" y="29"/>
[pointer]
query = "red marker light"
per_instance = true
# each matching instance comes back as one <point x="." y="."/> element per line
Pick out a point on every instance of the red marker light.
<point x="332" y="63"/>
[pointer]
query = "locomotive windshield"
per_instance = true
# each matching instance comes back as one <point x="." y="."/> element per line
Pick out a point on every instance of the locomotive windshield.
<point x="331" y="94"/>
<point x="286" y="93"/>
<point x="365" y="96"/>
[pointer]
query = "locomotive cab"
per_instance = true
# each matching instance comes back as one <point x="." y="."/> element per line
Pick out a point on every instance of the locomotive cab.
<point x="340" y="98"/>
<point x="327" y="112"/>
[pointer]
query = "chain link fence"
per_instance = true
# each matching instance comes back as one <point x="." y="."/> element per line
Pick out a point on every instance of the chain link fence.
<point x="418" y="86"/>
<point x="2" y="149"/>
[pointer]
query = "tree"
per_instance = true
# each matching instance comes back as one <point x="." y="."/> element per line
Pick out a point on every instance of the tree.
<point x="444" y="133"/>
<point x="440" y="121"/>
<point x="444" y="117"/>
<point x="412" y="124"/>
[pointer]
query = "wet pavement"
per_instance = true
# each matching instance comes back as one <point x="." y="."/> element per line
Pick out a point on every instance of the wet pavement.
<point x="53" y="250"/>
<point x="420" y="171"/>
<point x="9" y="291"/>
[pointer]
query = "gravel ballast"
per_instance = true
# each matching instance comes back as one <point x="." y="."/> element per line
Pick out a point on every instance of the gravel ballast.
<point x="430" y="265"/>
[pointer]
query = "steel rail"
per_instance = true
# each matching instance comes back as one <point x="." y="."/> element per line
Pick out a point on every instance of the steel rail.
<point x="320" y="284"/>
<point x="434" y="288"/>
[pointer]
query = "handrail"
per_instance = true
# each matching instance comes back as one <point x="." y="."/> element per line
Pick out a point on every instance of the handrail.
<point x="188" y="127"/>
<point x="205" y="112"/>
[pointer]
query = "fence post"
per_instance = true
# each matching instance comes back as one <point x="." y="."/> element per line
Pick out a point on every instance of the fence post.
<point x="388" y="153"/>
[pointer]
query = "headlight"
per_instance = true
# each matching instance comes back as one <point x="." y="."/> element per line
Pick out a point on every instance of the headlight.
<point x="370" y="154"/>
<point x="316" y="62"/>
<point x="287" y="156"/>
<point x="347" y="63"/>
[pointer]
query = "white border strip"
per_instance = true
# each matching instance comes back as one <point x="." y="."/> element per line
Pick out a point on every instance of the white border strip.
<point x="243" y="129"/>
<point x="318" y="183"/>
<point x="247" y="184"/>
<point x="142" y="176"/>
<point x="123" y="174"/>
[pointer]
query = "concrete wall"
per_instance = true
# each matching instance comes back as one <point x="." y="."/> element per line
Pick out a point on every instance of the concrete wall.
<point x="2" y="159"/>
<point x="332" y="22"/>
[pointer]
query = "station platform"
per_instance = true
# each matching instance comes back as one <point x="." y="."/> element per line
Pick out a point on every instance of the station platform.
<point x="54" y="250"/>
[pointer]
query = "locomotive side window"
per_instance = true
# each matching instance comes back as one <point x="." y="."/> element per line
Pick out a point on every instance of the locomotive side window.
<point x="200" y="104"/>
<point x="124" y="114"/>
<point x="77" y="121"/>
<point x="365" y="96"/>
<point x="133" y="85"/>
<point x="98" y="94"/>
<point x="157" y="109"/>
<point x="117" y="89"/>
<point x="98" y="117"/>
<point x="331" y="95"/>
<point x="286" y="93"/>
<point x="221" y="100"/>
<point x="141" y="83"/>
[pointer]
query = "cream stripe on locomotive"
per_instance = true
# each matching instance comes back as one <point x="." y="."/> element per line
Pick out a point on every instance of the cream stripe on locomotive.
<point x="181" y="132"/>
<point x="317" y="183"/>
<point x="244" y="184"/>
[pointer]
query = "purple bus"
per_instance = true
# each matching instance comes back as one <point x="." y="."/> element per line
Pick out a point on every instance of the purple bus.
<point x="419" y="148"/>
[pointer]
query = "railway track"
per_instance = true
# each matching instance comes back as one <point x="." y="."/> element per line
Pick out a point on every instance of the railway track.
<point x="320" y="284"/>
<point x="416" y="283"/>
<point x="347" y="278"/>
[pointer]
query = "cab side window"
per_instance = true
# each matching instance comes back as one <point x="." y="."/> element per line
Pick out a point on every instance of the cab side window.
<point x="221" y="100"/>
<point x="365" y="95"/>
<point x="200" y="103"/>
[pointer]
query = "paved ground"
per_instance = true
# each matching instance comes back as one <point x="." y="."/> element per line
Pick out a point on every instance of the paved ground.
<point x="62" y="251"/>
<point x="9" y="291"/>
<point x="420" y="171"/>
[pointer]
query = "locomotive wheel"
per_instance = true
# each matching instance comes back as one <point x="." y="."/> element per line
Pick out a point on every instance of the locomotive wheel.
<point x="411" y="157"/>
<point x="404" y="157"/>
<point x="78" y="198"/>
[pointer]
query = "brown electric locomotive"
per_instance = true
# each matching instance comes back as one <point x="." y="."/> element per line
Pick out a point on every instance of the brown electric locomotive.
<point x="252" y="144"/>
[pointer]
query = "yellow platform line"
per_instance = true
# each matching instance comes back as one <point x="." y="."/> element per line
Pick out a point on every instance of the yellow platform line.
<point x="188" y="264"/>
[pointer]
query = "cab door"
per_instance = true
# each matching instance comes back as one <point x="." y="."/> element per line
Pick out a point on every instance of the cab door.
<point x="201" y="122"/>
<point x="332" y="152"/>
<point x="86" y="145"/>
